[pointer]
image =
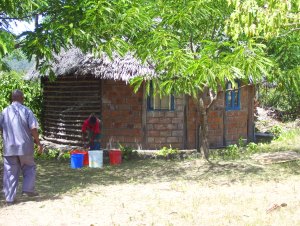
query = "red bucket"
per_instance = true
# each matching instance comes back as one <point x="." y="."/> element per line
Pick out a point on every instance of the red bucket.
<point x="115" y="157"/>
<point x="85" y="156"/>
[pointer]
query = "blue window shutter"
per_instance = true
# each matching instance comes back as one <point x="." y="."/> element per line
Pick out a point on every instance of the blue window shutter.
<point x="232" y="97"/>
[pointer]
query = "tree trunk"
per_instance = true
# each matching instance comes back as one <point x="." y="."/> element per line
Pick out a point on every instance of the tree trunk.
<point x="203" y="127"/>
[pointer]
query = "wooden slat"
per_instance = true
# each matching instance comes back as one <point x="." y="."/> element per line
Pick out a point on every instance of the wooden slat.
<point x="75" y="111"/>
<point x="62" y="127"/>
<point x="69" y="115"/>
<point x="67" y="103"/>
<point x="76" y="87"/>
<point x="67" y="120"/>
<point x="69" y="109"/>
<point x="82" y="100"/>
<point x="70" y="101"/>
<point x="64" y="136"/>
<point x="76" y="93"/>
<point x="62" y="141"/>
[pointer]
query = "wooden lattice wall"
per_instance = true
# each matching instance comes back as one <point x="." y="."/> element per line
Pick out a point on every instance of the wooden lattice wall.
<point x="68" y="101"/>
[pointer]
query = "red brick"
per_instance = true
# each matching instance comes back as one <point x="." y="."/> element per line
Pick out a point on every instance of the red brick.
<point x="150" y="139"/>
<point x="159" y="140"/>
<point x="165" y="133"/>
<point x="178" y="133"/>
<point x="153" y="133"/>
<point x="172" y="126"/>
<point x="173" y="139"/>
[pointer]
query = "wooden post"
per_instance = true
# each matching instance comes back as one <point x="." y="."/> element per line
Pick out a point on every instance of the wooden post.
<point x="250" y="120"/>
<point x="185" y="110"/>
<point x="144" y="117"/>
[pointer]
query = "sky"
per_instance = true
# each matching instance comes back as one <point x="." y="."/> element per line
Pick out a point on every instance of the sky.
<point x="20" y="27"/>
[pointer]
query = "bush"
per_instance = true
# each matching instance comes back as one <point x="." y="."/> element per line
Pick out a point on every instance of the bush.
<point x="167" y="152"/>
<point x="252" y="148"/>
<point x="127" y="152"/>
<point x="285" y="101"/>
<point x="233" y="152"/>
<point x="52" y="154"/>
<point x="31" y="89"/>
<point x="276" y="131"/>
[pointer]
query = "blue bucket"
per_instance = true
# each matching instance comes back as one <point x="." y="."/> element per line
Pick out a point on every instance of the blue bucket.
<point x="77" y="160"/>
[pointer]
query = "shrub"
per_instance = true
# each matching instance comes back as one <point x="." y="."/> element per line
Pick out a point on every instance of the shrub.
<point x="252" y="148"/>
<point x="276" y="131"/>
<point x="167" y="152"/>
<point x="286" y="101"/>
<point x="31" y="89"/>
<point x="231" y="152"/>
<point x="127" y="152"/>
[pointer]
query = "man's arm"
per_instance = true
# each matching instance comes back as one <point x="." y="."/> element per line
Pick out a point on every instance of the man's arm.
<point x="36" y="138"/>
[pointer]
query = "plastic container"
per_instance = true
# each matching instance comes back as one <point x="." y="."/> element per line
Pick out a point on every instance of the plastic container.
<point x="96" y="158"/>
<point x="85" y="157"/>
<point x="115" y="157"/>
<point x="77" y="160"/>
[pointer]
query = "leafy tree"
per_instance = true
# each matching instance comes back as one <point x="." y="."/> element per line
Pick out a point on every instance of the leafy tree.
<point x="195" y="46"/>
<point x="11" y="12"/>
<point x="31" y="89"/>
<point x="285" y="94"/>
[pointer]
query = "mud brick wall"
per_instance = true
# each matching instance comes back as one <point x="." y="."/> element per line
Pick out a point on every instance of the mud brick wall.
<point x="191" y="124"/>
<point x="165" y="128"/>
<point x="236" y="121"/>
<point x="215" y="122"/>
<point x="224" y="127"/>
<point x="122" y="120"/>
<point x="121" y="115"/>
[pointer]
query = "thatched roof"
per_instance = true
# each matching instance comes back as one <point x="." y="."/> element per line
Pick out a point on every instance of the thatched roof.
<point x="74" y="62"/>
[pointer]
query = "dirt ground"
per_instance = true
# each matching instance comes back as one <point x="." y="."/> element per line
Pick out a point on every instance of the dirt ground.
<point x="159" y="192"/>
<point x="265" y="120"/>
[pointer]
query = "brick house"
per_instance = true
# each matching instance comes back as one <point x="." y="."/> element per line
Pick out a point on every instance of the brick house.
<point x="86" y="85"/>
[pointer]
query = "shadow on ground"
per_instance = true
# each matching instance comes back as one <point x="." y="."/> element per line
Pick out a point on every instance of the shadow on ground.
<point x="56" y="177"/>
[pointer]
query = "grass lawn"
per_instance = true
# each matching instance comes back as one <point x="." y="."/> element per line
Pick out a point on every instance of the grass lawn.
<point x="160" y="192"/>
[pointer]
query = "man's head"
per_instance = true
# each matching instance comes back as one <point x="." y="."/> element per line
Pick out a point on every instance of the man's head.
<point x="17" y="95"/>
<point x="92" y="119"/>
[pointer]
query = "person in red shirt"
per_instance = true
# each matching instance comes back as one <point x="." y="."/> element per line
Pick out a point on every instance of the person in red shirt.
<point x="92" y="128"/>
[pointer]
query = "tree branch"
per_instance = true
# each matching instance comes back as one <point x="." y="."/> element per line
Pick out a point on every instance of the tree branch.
<point x="16" y="18"/>
<point x="191" y="43"/>
<point x="213" y="99"/>
<point x="290" y="31"/>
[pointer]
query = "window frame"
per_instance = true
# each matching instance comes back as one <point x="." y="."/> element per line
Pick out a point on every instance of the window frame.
<point x="150" y="99"/>
<point x="232" y="94"/>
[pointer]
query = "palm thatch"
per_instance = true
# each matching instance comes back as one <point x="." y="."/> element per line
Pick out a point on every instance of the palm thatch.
<point x="74" y="62"/>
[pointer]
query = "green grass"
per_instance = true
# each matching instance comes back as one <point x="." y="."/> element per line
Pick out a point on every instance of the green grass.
<point x="160" y="192"/>
<point x="164" y="192"/>
<point x="287" y="141"/>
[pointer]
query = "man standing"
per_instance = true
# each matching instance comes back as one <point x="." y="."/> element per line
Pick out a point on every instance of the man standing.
<point x="91" y="127"/>
<point x="19" y="131"/>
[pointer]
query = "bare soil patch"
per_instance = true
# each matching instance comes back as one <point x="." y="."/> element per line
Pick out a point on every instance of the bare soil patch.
<point x="277" y="157"/>
<point x="265" y="120"/>
<point x="159" y="192"/>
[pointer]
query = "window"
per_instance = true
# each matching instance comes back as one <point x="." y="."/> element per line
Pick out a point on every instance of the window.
<point x="232" y="96"/>
<point x="158" y="103"/>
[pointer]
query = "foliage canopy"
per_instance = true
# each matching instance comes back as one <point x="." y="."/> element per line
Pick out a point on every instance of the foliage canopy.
<point x="192" y="44"/>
